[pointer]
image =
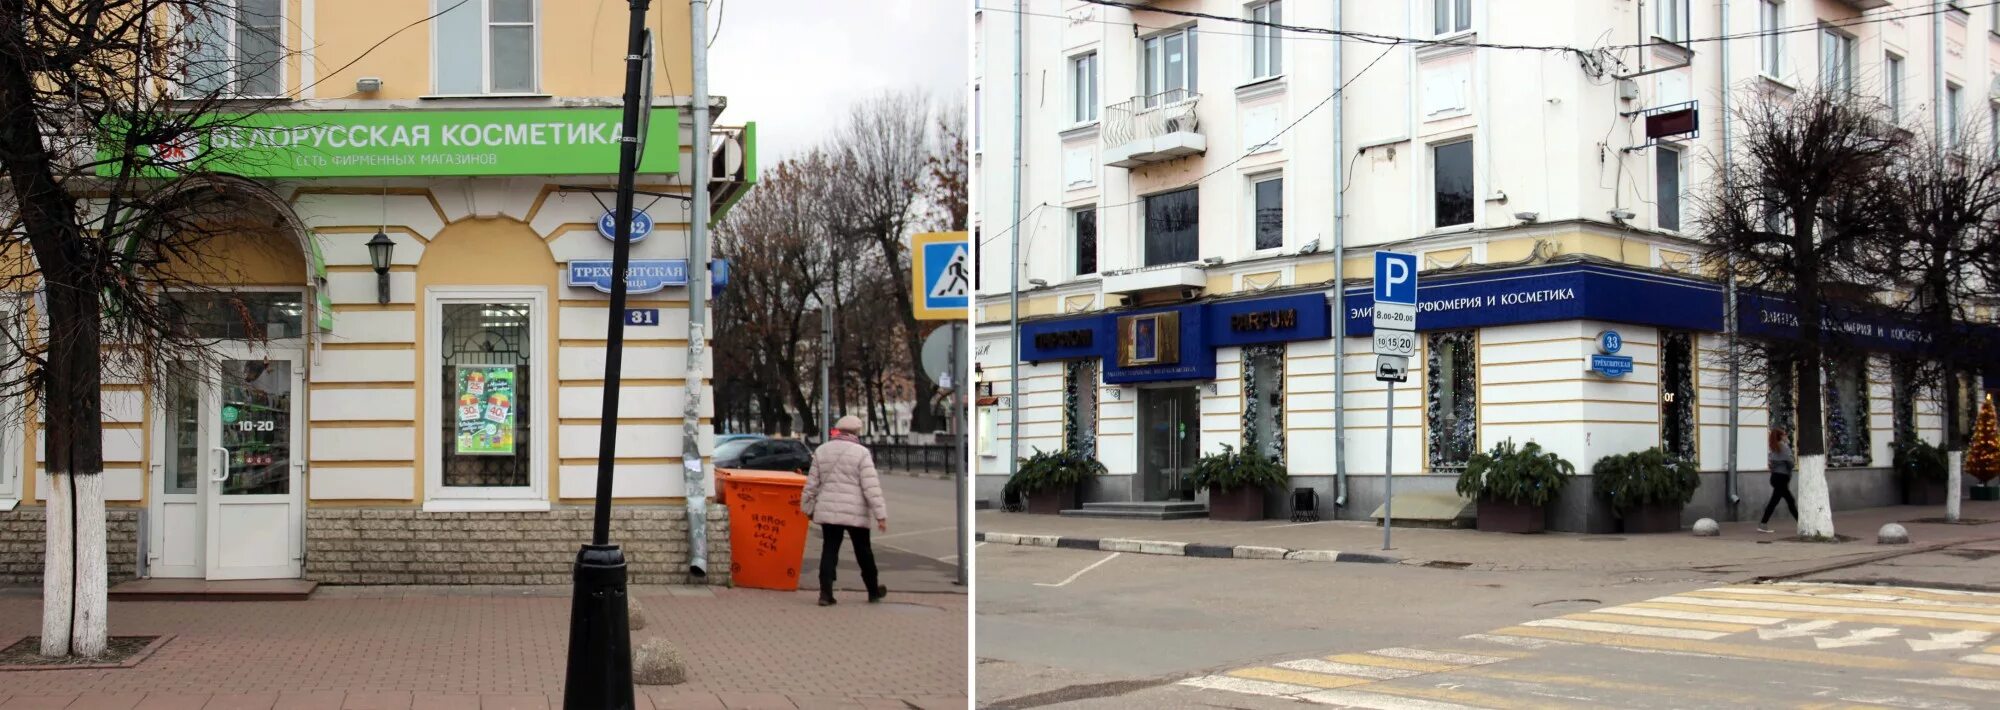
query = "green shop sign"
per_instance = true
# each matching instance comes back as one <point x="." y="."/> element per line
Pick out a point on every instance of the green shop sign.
<point x="426" y="143"/>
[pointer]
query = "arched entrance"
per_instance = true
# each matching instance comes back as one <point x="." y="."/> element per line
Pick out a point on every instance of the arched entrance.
<point x="228" y="432"/>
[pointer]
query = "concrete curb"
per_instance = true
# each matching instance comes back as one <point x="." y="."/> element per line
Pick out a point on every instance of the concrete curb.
<point x="1186" y="549"/>
<point x="903" y="473"/>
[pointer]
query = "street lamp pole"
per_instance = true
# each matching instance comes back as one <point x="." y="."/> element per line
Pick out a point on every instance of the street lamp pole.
<point x="599" y="673"/>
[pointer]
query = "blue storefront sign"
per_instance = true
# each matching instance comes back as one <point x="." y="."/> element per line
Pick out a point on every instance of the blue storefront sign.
<point x="1611" y="365"/>
<point x="1553" y="293"/>
<point x="1176" y="342"/>
<point x="641" y="275"/>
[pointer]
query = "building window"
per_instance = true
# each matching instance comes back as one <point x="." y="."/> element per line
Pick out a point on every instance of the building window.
<point x="1169" y="65"/>
<point x="485" y="46"/>
<point x="1847" y="412"/>
<point x="1677" y="396"/>
<point x="1902" y="403"/>
<point x="1173" y="222"/>
<point x="485" y="400"/>
<point x="1080" y="407"/>
<point x="1892" y="87"/>
<point x="1771" y="47"/>
<point x="1779" y="395"/>
<point x="1969" y="398"/>
<point x="1451" y="184"/>
<point x="1451" y="408"/>
<point x="1083" y="88"/>
<point x="1268" y="212"/>
<point x="1952" y="108"/>
<point x="1836" y="59"/>
<point x="1667" y="185"/>
<point x="1264" y="400"/>
<point x="236" y="49"/>
<point x="1672" y="22"/>
<point x="1450" y="16"/>
<point x="1083" y="230"/>
<point x="1266" y="51"/>
<point x="239" y="315"/>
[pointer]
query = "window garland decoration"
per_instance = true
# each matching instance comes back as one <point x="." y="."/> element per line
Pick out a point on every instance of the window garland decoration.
<point x="1454" y="430"/>
<point x="1080" y="407"/>
<point x="1256" y="401"/>
<point x="1847" y="435"/>
<point x="1677" y="395"/>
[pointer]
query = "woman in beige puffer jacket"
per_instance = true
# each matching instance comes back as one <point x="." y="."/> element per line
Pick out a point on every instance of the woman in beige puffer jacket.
<point x="843" y="495"/>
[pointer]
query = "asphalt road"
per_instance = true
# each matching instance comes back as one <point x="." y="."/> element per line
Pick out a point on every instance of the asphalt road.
<point x="1069" y="628"/>
<point x="919" y="554"/>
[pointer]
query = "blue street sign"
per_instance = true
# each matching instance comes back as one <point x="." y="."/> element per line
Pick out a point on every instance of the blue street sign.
<point x="642" y="316"/>
<point x="1611" y="365"/>
<point x="1608" y="342"/>
<point x="1395" y="277"/>
<point x="642" y="225"/>
<point x="641" y="276"/>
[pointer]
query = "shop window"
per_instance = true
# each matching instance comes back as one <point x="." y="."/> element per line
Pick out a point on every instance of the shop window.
<point x="235" y="48"/>
<point x="1264" y="400"/>
<point x="1268" y="212"/>
<point x="1847" y="412"/>
<point x="1451" y="184"/>
<point x="1173" y="227"/>
<point x="13" y="409"/>
<point x="1083" y="234"/>
<point x="1266" y="50"/>
<point x="1168" y="61"/>
<point x="1968" y="403"/>
<point x="1902" y="402"/>
<point x="1677" y="395"/>
<point x="239" y="315"/>
<point x="1080" y="406"/>
<point x="485" y="46"/>
<point x="1451" y="384"/>
<point x="1779" y="399"/>
<point x="485" y="372"/>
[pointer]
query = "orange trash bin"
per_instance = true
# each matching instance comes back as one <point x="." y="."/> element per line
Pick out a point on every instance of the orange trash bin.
<point x="767" y="531"/>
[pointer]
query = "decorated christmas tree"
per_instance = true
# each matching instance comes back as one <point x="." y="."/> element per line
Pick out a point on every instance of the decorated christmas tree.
<point x="1982" y="458"/>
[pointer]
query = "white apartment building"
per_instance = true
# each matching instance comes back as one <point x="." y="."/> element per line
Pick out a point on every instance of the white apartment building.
<point x="1200" y="177"/>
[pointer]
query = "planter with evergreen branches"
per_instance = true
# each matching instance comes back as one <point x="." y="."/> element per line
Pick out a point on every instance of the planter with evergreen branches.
<point x="1237" y="482"/>
<point x="1514" y="486"/>
<point x="1924" y="472"/>
<point x="1647" y="489"/>
<point x="1052" y="481"/>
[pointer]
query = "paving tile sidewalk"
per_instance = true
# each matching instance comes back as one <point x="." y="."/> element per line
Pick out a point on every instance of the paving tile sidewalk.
<point x="412" y="648"/>
<point x="1740" y="548"/>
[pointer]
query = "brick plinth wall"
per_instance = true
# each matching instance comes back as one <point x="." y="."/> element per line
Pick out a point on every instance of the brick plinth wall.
<point x="407" y="546"/>
<point x="23" y="535"/>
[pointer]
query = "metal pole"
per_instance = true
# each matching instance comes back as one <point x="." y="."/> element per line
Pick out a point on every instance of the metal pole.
<point x="1732" y="475"/>
<point x="958" y="385"/>
<point x="825" y="368"/>
<point x="599" y="674"/>
<point x="1389" y="464"/>
<point x="1339" y="280"/>
<point x="1014" y="269"/>
<point x="692" y="478"/>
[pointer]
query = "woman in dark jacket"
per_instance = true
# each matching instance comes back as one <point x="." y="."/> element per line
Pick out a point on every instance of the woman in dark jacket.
<point x="1781" y="461"/>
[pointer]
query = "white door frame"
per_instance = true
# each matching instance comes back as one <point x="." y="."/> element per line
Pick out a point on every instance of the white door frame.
<point x="158" y="499"/>
<point x="290" y="567"/>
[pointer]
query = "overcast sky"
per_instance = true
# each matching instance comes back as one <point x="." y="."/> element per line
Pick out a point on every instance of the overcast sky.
<point x="794" y="66"/>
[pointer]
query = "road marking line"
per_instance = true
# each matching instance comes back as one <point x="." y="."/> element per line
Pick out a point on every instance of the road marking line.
<point x="1852" y="618"/>
<point x="1897" y="599"/>
<point x="1408" y="664"/>
<point x="1973" y="683"/>
<point x="1080" y="572"/>
<point x="1968" y="613"/>
<point x="1246" y="686"/>
<point x="1695" y="634"/>
<point x="1450" y="694"/>
<point x="1658" y="613"/>
<point x="1607" y="684"/>
<point x="1418" y="654"/>
<point x="1984" y="659"/>
<point x="946" y="560"/>
<point x="1348" y="669"/>
<point x="1761" y="652"/>
<point x="1373" y="701"/>
<point x="1640" y="620"/>
<point x="1816" y="609"/>
<point x="1948" y="595"/>
<point x="1298" y="677"/>
<point x="1517" y="641"/>
<point x="914" y="532"/>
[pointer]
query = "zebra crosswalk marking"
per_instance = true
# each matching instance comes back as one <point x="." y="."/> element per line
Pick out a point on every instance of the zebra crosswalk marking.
<point x="1843" y="591"/>
<point x="1632" y="629"/>
<point x="1660" y="611"/>
<point x="1373" y="701"/>
<point x="1954" y="612"/>
<point x="1297" y="677"/>
<point x="1615" y="616"/>
<point x="1247" y="686"/>
<point x="1463" y="659"/>
<point x="1729" y="603"/>
<point x="1781" y="616"/>
<point x="1408" y="664"/>
<point x="1348" y="669"/>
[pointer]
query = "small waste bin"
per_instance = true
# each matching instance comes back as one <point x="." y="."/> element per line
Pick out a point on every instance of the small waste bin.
<point x="767" y="532"/>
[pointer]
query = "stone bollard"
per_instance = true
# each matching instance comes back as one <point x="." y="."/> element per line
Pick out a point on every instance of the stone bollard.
<point x="635" y="615"/>
<point x="1892" y="534"/>
<point x="1706" y="527"/>
<point x="656" y="662"/>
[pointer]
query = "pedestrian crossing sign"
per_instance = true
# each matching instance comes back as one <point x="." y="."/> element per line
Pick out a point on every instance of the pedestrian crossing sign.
<point x="941" y="263"/>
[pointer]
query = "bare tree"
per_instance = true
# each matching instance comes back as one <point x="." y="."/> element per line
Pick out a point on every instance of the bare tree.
<point x="948" y="184"/>
<point x="105" y="106"/>
<point x="776" y="243"/>
<point x="1806" y="194"/>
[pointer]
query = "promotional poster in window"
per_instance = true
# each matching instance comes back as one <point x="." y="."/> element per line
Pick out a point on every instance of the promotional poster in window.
<point x="486" y="410"/>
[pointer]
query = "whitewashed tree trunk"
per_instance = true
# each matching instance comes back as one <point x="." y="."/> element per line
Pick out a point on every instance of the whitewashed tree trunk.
<point x="1953" y="482"/>
<point x="57" y="569"/>
<point x="1815" y="500"/>
<point x="92" y="636"/>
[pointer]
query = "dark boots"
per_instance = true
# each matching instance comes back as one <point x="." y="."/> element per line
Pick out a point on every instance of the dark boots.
<point x="881" y="590"/>
<point x="826" y="596"/>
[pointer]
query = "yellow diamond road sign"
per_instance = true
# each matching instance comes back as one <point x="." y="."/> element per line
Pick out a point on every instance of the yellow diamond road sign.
<point x="941" y="271"/>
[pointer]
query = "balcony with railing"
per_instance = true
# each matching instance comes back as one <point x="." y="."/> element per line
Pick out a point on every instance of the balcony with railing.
<point x="1152" y="129"/>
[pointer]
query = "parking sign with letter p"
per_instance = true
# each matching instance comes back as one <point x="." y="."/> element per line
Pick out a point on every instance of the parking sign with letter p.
<point x="1395" y="277"/>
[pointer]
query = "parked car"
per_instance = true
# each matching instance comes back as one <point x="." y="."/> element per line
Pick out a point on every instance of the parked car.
<point x="726" y="438"/>
<point x="764" y="455"/>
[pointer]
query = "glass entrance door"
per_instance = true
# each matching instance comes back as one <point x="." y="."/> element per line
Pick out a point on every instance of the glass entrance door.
<point x="1169" y="441"/>
<point x="254" y="456"/>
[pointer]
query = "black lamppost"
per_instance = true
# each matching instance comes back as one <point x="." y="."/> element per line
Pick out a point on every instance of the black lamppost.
<point x="599" y="673"/>
<point x="379" y="250"/>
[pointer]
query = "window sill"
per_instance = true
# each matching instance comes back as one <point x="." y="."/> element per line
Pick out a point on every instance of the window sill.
<point x="8" y="504"/>
<point x="1453" y="229"/>
<point x="1078" y="131"/>
<point x="486" y="505"/>
<point x="1261" y="87"/>
<point x="1776" y="82"/>
<point x="435" y="97"/>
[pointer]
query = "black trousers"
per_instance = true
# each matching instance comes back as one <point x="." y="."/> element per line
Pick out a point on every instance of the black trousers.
<point x="829" y="554"/>
<point x="1781" y="489"/>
